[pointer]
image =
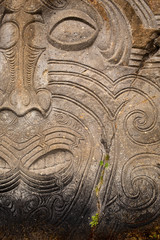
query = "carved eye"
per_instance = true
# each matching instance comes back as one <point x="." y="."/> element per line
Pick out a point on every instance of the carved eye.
<point x="73" y="31"/>
<point x="4" y="166"/>
<point x="8" y="35"/>
<point x="53" y="162"/>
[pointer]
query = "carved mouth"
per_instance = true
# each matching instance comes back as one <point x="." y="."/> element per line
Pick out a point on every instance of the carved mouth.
<point x="51" y="172"/>
<point x="52" y="163"/>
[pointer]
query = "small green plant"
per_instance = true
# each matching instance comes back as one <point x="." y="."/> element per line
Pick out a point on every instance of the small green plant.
<point x="95" y="220"/>
<point x="155" y="236"/>
<point x="101" y="163"/>
<point x="105" y="162"/>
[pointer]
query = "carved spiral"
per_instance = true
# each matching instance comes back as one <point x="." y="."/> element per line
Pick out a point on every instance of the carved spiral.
<point x="7" y="209"/>
<point x="36" y="209"/>
<point x="58" y="203"/>
<point x="140" y="182"/>
<point x="141" y="126"/>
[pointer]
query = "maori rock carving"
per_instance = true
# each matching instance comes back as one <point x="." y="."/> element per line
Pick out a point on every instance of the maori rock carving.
<point x="73" y="89"/>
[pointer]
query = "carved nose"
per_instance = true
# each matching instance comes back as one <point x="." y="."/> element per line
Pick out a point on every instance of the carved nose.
<point x="22" y="101"/>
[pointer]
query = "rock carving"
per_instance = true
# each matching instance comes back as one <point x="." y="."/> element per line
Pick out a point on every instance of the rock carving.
<point x="79" y="80"/>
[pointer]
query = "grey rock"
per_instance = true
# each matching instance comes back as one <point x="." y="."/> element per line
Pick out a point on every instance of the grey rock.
<point x="79" y="118"/>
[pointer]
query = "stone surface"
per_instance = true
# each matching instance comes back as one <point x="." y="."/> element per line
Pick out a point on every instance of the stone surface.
<point x="79" y="118"/>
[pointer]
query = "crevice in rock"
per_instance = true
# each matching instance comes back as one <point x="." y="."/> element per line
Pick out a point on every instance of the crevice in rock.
<point x="104" y="164"/>
<point x="151" y="48"/>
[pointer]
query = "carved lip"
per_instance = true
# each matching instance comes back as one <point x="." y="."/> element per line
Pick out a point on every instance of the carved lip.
<point x="52" y="170"/>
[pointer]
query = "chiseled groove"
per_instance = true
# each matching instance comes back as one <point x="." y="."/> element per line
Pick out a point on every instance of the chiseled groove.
<point x="142" y="78"/>
<point x="47" y="178"/>
<point x="138" y="50"/>
<point x="137" y="58"/>
<point x="118" y="50"/>
<point x="40" y="183"/>
<point x="9" y="177"/>
<point x="111" y="116"/>
<point x="7" y="142"/>
<point x="158" y="20"/>
<point x="66" y="141"/>
<point x="10" y="187"/>
<point x="10" y="184"/>
<point x="47" y="186"/>
<point x="152" y="66"/>
<point x="65" y="171"/>
<point x="50" y="135"/>
<point x="34" y="183"/>
<point x="17" y="145"/>
<point x="83" y="66"/>
<point x="75" y="74"/>
<point x="30" y="157"/>
<point x="67" y="130"/>
<point x="107" y="79"/>
<point x="28" y="160"/>
<point x="144" y="13"/>
<point x="84" y="107"/>
<point x="134" y="63"/>
<point x="71" y="115"/>
<point x="89" y="92"/>
<point x="35" y="148"/>
<point x="128" y="169"/>
<point x="67" y="175"/>
<point x="6" y="151"/>
<point x="33" y="55"/>
<point x="10" y="57"/>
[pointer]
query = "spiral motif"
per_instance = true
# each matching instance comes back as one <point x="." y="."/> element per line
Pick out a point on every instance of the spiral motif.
<point x="58" y="203"/>
<point x="141" y="126"/>
<point x="140" y="183"/>
<point x="31" y="203"/>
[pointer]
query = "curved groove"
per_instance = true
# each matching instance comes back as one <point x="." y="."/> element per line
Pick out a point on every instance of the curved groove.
<point x="133" y="172"/>
<point x="118" y="52"/>
<point x="68" y="73"/>
<point x="83" y="106"/>
<point x="144" y="13"/>
<point x="74" y="63"/>
<point x="90" y="92"/>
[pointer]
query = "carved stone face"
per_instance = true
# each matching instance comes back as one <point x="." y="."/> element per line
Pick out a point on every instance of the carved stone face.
<point x="71" y="93"/>
<point x="50" y="133"/>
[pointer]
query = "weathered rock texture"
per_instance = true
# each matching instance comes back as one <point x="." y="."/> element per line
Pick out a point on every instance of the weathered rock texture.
<point x="79" y="90"/>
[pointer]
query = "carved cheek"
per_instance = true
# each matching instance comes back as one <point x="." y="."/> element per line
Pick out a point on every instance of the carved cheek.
<point x="9" y="34"/>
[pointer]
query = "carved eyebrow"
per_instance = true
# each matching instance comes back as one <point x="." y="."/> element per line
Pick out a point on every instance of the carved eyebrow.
<point x="92" y="25"/>
<point x="72" y="14"/>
